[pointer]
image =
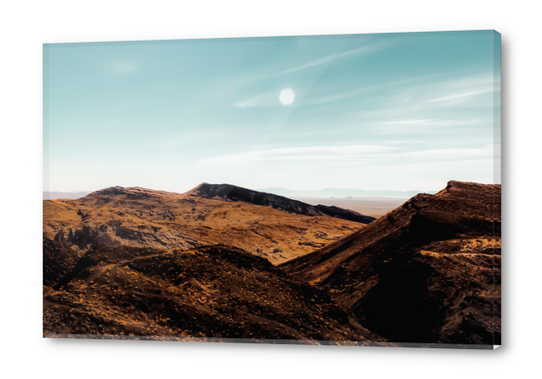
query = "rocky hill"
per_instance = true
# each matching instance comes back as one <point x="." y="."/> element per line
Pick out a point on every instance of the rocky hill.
<point x="139" y="217"/>
<point x="137" y="262"/>
<point x="213" y="292"/>
<point x="429" y="271"/>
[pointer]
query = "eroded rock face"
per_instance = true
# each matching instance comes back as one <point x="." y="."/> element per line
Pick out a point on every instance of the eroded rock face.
<point x="429" y="271"/>
<point x="86" y="237"/>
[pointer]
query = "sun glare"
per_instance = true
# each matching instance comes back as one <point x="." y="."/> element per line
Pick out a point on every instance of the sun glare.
<point x="287" y="96"/>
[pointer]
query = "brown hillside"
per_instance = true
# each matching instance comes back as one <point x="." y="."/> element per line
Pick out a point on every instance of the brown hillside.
<point x="140" y="217"/>
<point x="57" y="262"/>
<point x="214" y="291"/>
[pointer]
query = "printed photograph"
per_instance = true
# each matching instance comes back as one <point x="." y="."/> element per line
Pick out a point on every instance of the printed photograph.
<point x="338" y="190"/>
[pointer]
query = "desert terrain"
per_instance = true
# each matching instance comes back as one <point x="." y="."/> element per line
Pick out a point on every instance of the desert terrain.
<point x="370" y="206"/>
<point x="214" y="292"/>
<point x="427" y="271"/>
<point x="279" y="230"/>
<point x="227" y="263"/>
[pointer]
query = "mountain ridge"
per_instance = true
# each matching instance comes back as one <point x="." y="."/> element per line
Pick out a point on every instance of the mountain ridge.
<point x="236" y="193"/>
<point x="401" y="274"/>
<point x="280" y="191"/>
<point x="341" y="192"/>
<point x="141" y="217"/>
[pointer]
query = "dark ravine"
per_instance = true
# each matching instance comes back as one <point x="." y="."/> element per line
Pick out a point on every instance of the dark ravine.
<point x="427" y="271"/>
<point x="235" y="193"/>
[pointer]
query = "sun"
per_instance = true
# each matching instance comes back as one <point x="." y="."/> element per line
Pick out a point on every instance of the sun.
<point x="287" y="96"/>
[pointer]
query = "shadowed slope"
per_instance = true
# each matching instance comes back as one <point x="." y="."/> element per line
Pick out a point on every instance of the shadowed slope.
<point x="427" y="271"/>
<point x="215" y="291"/>
<point x="231" y="192"/>
<point x="57" y="262"/>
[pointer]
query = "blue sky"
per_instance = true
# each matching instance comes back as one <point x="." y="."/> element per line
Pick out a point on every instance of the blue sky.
<point x="381" y="111"/>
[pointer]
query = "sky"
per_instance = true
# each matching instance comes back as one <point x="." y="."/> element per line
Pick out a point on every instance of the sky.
<point x="400" y="111"/>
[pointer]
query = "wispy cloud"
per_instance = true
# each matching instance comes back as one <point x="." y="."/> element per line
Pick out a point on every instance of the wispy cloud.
<point x="424" y="105"/>
<point x="173" y="143"/>
<point x="271" y="98"/>
<point x="367" y="89"/>
<point x="424" y="122"/>
<point x="297" y="153"/>
<point x="405" y="122"/>
<point x="461" y="96"/>
<point x="347" y="155"/>
<point x="450" y="153"/>
<point x="124" y="67"/>
<point x="453" y="92"/>
<point x="367" y="49"/>
<point x="189" y="138"/>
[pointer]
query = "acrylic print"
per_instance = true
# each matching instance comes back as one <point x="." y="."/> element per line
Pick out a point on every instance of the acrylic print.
<point x="315" y="189"/>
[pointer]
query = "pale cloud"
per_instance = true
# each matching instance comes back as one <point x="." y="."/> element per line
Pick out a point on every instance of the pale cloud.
<point x="173" y="143"/>
<point x="450" y="153"/>
<point x="414" y="102"/>
<point x="456" y="166"/>
<point x="124" y="67"/>
<point x="339" y="96"/>
<point x="268" y="99"/>
<point x="461" y="96"/>
<point x="258" y="101"/>
<point x="348" y="155"/>
<point x="362" y="90"/>
<point x="297" y="154"/>
<point x="367" y="49"/>
<point x="451" y="93"/>
<point x="405" y="122"/>
<point x="271" y="98"/>
<point x="192" y="135"/>
<point x="424" y="122"/>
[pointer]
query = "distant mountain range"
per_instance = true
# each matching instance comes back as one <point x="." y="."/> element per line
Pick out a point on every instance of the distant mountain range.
<point x="341" y="192"/>
<point x="326" y="192"/>
<point x="54" y="195"/>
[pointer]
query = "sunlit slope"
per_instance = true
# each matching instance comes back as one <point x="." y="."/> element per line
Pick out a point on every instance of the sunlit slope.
<point x="140" y="217"/>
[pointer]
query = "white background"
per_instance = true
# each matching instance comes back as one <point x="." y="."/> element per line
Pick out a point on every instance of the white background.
<point x="25" y="25"/>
